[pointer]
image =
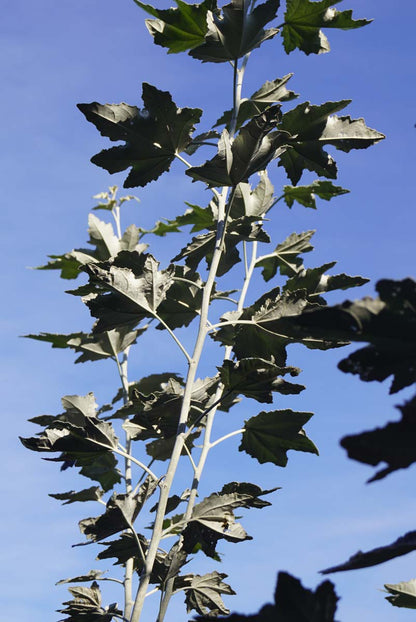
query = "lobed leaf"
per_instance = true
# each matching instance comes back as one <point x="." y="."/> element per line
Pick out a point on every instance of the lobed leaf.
<point x="306" y="195"/>
<point x="269" y="435"/>
<point x="179" y="29"/>
<point x="304" y="20"/>
<point x="152" y="136"/>
<point x="236" y="32"/>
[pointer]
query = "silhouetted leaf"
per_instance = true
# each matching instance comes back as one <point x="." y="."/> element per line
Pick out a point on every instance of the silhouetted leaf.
<point x="88" y="494"/>
<point x="403" y="545"/>
<point x="178" y="29"/>
<point x="304" y="20"/>
<point x="306" y="195"/>
<point x="316" y="282"/>
<point x="183" y="298"/>
<point x="237" y="31"/>
<point x="311" y="128"/>
<point x="293" y="603"/>
<point x="269" y="435"/>
<point x="403" y="594"/>
<point x="393" y="444"/>
<point x="387" y="323"/>
<point x="153" y="135"/>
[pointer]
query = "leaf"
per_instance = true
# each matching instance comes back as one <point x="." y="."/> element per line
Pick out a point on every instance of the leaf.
<point x="213" y="518"/>
<point x="106" y="243"/>
<point x="285" y="257"/>
<point x="257" y="378"/>
<point x="402" y="546"/>
<point x="88" y="494"/>
<point x="93" y="347"/>
<point x="183" y="298"/>
<point x="84" y="440"/>
<point x="393" y="444"/>
<point x="178" y="29"/>
<point x="403" y="594"/>
<point x="121" y="512"/>
<point x="251" y="151"/>
<point x="304" y="20"/>
<point x="293" y="603"/>
<point x="198" y="217"/>
<point x="269" y="435"/>
<point x="202" y="139"/>
<point x="203" y="593"/>
<point x="91" y="576"/>
<point x="236" y="32"/>
<point x="311" y="128"/>
<point x="305" y="195"/>
<point x="125" y="548"/>
<point x="86" y="606"/>
<point x="316" y="282"/>
<point x="270" y="93"/>
<point x="153" y="136"/>
<point x="387" y="323"/>
<point x="137" y="287"/>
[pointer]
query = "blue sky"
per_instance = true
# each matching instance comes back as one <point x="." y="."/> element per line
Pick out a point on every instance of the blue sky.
<point x="55" y="55"/>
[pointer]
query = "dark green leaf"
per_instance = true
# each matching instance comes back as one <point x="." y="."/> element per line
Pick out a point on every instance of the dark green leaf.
<point x="257" y="378"/>
<point x="121" y="512"/>
<point x="306" y="195"/>
<point x="237" y="31"/>
<point x="270" y="93"/>
<point x="137" y="288"/>
<point x="311" y="128"/>
<point x="304" y="20"/>
<point x="248" y="494"/>
<point x="202" y="139"/>
<point x="403" y="545"/>
<point x="393" y="444"/>
<point x="84" y="440"/>
<point x="178" y="29"/>
<point x="269" y="435"/>
<point x="316" y="282"/>
<point x="89" y="494"/>
<point x="183" y="298"/>
<point x="198" y="217"/>
<point x="403" y="594"/>
<point x="93" y="347"/>
<point x="125" y="548"/>
<point x="203" y="593"/>
<point x="253" y="148"/>
<point x="153" y="135"/>
<point x="285" y="257"/>
<point x="253" y="203"/>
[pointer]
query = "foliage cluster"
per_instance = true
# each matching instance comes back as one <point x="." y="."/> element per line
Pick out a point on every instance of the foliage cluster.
<point x="157" y="426"/>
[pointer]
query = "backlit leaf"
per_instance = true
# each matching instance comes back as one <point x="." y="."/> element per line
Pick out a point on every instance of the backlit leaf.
<point x="306" y="195"/>
<point x="304" y="20"/>
<point x="178" y="29"/>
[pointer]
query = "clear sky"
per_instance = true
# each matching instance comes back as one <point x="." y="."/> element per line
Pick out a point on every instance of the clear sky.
<point x="57" y="54"/>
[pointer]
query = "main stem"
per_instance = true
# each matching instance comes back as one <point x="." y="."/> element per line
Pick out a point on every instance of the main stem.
<point x="177" y="449"/>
